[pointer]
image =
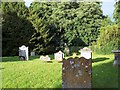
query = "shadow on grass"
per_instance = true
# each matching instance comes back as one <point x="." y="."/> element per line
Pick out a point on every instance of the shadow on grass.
<point x="105" y="75"/>
<point x="58" y="86"/>
<point x="100" y="59"/>
<point x="16" y="58"/>
<point x="2" y="68"/>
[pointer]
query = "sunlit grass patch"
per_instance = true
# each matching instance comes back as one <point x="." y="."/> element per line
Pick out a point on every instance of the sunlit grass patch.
<point x="35" y="73"/>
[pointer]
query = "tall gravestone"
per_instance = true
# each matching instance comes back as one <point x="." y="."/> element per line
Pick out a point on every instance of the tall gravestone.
<point x="76" y="72"/>
<point x="59" y="56"/>
<point x="23" y="52"/>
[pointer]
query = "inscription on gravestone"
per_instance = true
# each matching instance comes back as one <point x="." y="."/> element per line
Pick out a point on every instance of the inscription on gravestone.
<point x="76" y="73"/>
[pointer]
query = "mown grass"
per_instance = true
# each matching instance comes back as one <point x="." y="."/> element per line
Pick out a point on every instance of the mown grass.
<point x="38" y="74"/>
<point x="104" y="74"/>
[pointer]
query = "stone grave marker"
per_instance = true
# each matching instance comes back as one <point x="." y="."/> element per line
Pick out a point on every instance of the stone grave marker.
<point x="23" y="52"/>
<point x="45" y="58"/>
<point x="76" y="73"/>
<point x="86" y="53"/>
<point x="59" y="56"/>
<point x="32" y="53"/>
<point x="67" y="50"/>
<point x="116" y="57"/>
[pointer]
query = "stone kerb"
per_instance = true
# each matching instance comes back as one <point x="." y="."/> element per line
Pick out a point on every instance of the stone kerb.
<point x="23" y="52"/>
<point x="76" y="73"/>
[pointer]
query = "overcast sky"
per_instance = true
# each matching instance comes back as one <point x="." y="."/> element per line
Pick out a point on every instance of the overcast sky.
<point x="107" y="6"/>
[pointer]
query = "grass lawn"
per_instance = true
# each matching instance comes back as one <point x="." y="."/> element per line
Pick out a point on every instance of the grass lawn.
<point x="37" y="74"/>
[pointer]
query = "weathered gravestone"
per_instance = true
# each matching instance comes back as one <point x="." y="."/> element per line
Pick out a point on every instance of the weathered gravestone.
<point x="116" y="57"/>
<point x="86" y="53"/>
<point x="59" y="56"/>
<point x="76" y="73"/>
<point x="45" y="58"/>
<point x="23" y="52"/>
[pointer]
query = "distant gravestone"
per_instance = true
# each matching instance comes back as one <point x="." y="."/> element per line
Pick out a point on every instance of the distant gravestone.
<point x="59" y="56"/>
<point x="45" y="58"/>
<point x="76" y="73"/>
<point x="67" y="51"/>
<point x="32" y="53"/>
<point x="116" y="57"/>
<point x="23" y="52"/>
<point x="86" y="53"/>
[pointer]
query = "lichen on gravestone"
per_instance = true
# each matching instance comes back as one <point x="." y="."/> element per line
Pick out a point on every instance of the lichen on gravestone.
<point x="76" y="73"/>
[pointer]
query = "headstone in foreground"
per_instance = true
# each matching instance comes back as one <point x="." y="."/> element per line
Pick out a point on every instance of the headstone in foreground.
<point x="86" y="53"/>
<point x="76" y="73"/>
<point x="23" y="52"/>
<point x="59" y="56"/>
<point x="116" y="57"/>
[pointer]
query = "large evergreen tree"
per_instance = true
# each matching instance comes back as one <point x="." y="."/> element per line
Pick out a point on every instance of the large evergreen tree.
<point x="80" y="21"/>
<point x="47" y="38"/>
<point x="74" y="23"/>
<point x="16" y="28"/>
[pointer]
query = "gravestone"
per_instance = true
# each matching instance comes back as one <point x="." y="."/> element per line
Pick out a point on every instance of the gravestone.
<point x="76" y="73"/>
<point x="32" y="53"/>
<point x="23" y="52"/>
<point x="59" y="56"/>
<point x="116" y="57"/>
<point x="45" y="58"/>
<point x="86" y="53"/>
<point x="67" y="51"/>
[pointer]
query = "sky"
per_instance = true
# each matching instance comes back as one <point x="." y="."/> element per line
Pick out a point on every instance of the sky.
<point x="107" y="7"/>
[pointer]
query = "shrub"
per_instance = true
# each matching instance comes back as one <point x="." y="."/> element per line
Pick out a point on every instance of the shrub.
<point x="108" y="40"/>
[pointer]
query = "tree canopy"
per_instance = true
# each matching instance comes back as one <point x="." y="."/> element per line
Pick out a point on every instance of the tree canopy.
<point x="47" y="26"/>
<point x="16" y="28"/>
<point x="70" y="22"/>
<point x="116" y="14"/>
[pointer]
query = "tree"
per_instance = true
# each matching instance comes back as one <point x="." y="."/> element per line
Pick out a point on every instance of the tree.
<point x="108" y="40"/>
<point x="46" y="38"/>
<point x="74" y="23"/>
<point x="107" y="21"/>
<point x="81" y="21"/>
<point x="116" y="14"/>
<point x="0" y="30"/>
<point x="16" y="29"/>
